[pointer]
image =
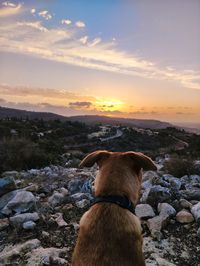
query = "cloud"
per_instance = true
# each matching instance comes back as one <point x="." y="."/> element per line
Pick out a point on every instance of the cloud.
<point x="66" y="21"/>
<point x="33" y="10"/>
<point x="54" y="94"/>
<point x="80" y="24"/>
<point x="9" y="9"/>
<point x="95" y="42"/>
<point x="45" y="14"/>
<point x="66" y="46"/>
<point x="80" y="105"/>
<point x="84" y="39"/>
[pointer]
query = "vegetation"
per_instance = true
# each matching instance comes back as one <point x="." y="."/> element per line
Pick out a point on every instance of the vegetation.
<point x="26" y="144"/>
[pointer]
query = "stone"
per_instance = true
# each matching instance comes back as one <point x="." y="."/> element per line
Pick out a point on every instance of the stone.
<point x="22" y="201"/>
<point x="81" y="196"/>
<point x="60" y="221"/>
<point x="10" y="252"/>
<point x="144" y="211"/>
<point x="162" y="262"/>
<point x="4" y="223"/>
<point x="30" y="225"/>
<point x="196" y="212"/>
<point x="149" y="175"/>
<point x="32" y="188"/>
<point x="175" y="183"/>
<point x="146" y="185"/>
<point x="7" y="184"/>
<point x="46" y="256"/>
<point x="10" y="174"/>
<point x="158" y="194"/>
<point x="19" y="219"/>
<point x="82" y="203"/>
<point x="56" y="199"/>
<point x="191" y="193"/>
<point x="198" y="233"/>
<point x="184" y="217"/>
<point x="155" y="225"/>
<point x="185" y="204"/>
<point x="165" y="209"/>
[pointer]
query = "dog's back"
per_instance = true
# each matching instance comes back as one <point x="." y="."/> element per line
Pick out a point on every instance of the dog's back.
<point x="110" y="235"/>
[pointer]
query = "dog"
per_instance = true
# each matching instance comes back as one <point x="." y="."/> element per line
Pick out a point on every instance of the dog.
<point x="110" y="234"/>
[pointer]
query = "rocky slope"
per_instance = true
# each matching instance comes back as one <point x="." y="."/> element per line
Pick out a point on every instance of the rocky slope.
<point x="40" y="212"/>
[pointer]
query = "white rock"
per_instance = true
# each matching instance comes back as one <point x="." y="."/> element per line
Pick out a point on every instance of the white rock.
<point x="165" y="209"/>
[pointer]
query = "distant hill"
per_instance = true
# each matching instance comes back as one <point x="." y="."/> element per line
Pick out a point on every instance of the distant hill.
<point x="88" y="119"/>
<point x="141" y="123"/>
<point x="23" y="114"/>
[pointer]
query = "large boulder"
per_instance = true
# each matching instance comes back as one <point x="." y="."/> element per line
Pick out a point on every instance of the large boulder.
<point x="7" y="184"/>
<point x="21" y="202"/>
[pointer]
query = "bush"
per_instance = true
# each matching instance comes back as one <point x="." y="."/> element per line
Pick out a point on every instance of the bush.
<point x="18" y="154"/>
<point x="179" y="167"/>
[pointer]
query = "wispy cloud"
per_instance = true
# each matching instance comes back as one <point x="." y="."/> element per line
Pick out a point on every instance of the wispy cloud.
<point x="80" y="105"/>
<point x="66" y="21"/>
<point x="8" y="8"/>
<point x="45" y="14"/>
<point x="80" y="24"/>
<point x="65" y="45"/>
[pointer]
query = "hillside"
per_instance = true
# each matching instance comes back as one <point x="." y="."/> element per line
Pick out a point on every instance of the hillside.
<point x="88" y="119"/>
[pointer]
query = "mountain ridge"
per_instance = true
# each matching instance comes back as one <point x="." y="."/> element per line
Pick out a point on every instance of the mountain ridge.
<point x="6" y="112"/>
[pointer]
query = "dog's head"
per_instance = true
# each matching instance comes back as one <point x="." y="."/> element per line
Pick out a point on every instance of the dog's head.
<point x="118" y="170"/>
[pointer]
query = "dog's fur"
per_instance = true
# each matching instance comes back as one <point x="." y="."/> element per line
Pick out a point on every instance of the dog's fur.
<point x="110" y="235"/>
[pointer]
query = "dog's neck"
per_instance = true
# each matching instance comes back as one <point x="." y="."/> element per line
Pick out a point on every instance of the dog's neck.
<point x="118" y="185"/>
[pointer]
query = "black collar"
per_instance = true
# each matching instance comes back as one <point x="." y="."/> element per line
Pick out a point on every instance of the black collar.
<point x="121" y="201"/>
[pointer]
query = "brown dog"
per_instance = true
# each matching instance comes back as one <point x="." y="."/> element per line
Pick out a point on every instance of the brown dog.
<point x="110" y="235"/>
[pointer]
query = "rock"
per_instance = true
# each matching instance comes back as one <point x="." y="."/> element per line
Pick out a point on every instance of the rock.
<point x="184" y="217"/>
<point x="165" y="209"/>
<point x="185" y="204"/>
<point x="19" y="219"/>
<point x="30" y="225"/>
<point x="81" y="196"/>
<point x="146" y="185"/>
<point x="80" y="185"/>
<point x="155" y="225"/>
<point x="4" y="223"/>
<point x="162" y="262"/>
<point x="22" y="201"/>
<point x="82" y="203"/>
<point x="149" y="175"/>
<point x="46" y="256"/>
<point x="60" y="221"/>
<point x="56" y="199"/>
<point x="10" y="252"/>
<point x="6" y="198"/>
<point x="198" y="233"/>
<point x="158" y="194"/>
<point x="32" y="188"/>
<point x="10" y="174"/>
<point x="196" y="212"/>
<point x="7" y="184"/>
<point x="191" y="193"/>
<point x="144" y="211"/>
<point x="175" y="183"/>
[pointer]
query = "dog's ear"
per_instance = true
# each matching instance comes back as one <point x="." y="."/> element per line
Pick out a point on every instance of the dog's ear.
<point x="94" y="157"/>
<point x="142" y="160"/>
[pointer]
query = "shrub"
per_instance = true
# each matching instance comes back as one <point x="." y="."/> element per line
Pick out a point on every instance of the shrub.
<point x="179" y="167"/>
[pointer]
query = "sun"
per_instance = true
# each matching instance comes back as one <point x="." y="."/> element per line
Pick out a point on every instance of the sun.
<point x="108" y="104"/>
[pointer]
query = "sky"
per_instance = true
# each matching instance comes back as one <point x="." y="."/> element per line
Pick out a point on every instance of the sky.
<point x="133" y="58"/>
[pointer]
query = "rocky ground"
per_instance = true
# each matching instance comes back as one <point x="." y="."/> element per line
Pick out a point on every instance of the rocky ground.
<point x="40" y="212"/>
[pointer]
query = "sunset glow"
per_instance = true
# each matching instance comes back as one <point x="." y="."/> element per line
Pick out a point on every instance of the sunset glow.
<point x="115" y="58"/>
